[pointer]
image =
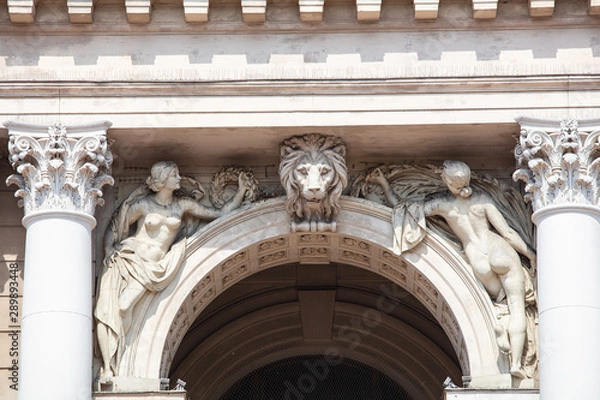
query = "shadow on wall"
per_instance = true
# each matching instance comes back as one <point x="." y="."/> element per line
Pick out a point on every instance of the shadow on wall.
<point x="390" y="47"/>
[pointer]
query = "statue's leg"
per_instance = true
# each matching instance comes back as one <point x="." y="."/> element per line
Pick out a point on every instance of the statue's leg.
<point x="129" y="298"/>
<point x="514" y="286"/>
<point x="106" y="373"/>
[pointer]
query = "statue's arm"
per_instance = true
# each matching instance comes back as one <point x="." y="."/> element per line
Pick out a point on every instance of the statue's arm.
<point x="378" y="177"/>
<point x="208" y="213"/>
<point x="243" y="185"/>
<point x="433" y="207"/>
<point x="509" y="234"/>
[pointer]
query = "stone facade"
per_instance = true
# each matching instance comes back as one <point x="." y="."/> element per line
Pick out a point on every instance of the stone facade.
<point x="398" y="85"/>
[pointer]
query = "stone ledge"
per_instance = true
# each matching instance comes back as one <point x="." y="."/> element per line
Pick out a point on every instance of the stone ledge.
<point x="491" y="394"/>
<point x="160" y="395"/>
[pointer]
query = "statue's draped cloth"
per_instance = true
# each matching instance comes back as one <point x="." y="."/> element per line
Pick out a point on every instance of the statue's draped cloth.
<point x="119" y="269"/>
<point x="408" y="220"/>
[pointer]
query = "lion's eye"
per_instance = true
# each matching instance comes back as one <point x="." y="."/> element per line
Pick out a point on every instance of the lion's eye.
<point x="302" y="170"/>
<point x="325" y="170"/>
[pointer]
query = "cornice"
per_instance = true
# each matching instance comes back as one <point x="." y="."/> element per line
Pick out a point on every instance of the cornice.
<point x="261" y="87"/>
<point x="211" y="17"/>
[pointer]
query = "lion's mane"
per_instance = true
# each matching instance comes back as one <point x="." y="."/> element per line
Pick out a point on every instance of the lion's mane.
<point x="313" y="147"/>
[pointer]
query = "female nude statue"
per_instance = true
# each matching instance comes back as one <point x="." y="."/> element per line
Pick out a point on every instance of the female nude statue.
<point x="148" y="260"/>
<point x="491" y="252"/>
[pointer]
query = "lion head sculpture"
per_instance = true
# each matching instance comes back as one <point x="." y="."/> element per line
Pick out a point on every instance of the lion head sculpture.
<point x="313" y="173"/>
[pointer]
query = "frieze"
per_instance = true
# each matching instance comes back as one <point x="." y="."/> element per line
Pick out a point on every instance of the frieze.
<point x="356" y="258"/>
<point x="235" y="275"/>
<point x="356" y="245"/>
<point x="393" y="271"/>
<point x="314" y="239"/>
<point x="272" y="259"/>
<point x="272" y="245"/>
<point x="200" y="302"/>
<point x="234" y="261"/>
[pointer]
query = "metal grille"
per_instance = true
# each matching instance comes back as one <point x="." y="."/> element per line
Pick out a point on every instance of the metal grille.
<point x="316" y="378"/>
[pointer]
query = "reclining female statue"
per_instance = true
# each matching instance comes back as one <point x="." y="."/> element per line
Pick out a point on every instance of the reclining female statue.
<point x="492" y="253"/>
<point x="148" y="259"/>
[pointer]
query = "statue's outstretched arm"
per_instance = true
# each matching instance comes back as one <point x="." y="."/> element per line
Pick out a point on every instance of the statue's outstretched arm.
<point x="378" y="177"/>
<point x="209" y="213"/>
<point x="509" y="234"/>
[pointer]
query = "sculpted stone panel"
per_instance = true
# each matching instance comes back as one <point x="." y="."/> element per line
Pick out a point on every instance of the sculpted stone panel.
<point x="145" y="245"/>
<point x="491" y="229"/>
<point x="313" y="173"/>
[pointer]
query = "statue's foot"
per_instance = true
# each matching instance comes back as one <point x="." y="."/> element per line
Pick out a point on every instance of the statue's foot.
<point x="106" y="378"/>
<point x="518" y="373"/>
<point x="502" y="338"/>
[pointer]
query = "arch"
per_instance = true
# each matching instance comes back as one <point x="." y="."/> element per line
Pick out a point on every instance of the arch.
<point x="395" y="349"/>
<point x="258" y="237"/>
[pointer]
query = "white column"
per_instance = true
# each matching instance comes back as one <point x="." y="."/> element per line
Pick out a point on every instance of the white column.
<point x="559" y="164"/>
<point x="59" y="175"/>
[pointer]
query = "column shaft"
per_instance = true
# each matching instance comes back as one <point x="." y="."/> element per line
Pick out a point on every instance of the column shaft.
<point x="569" y="304"/>
<point x="56" y="336"/>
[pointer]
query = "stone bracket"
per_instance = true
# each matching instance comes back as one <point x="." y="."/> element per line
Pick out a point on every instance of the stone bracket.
<point x="426" y="9"/>
<point x="138" y="11"/>
<point x="195" y="10"/>
<point x="594" y="7"/>
<point x="541" y="8"/>
<point x="81" y="11"/>
<point x="311" y="10"/>
<point x="485" y="9"/>
<point x="254" y="11"/>
<point x="22" y="11"/>
<point x="368" y="10"/>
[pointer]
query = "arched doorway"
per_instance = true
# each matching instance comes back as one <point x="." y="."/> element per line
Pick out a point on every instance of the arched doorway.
<point x="307" y="331"/>
<point x="314" y="377"/>
<point x="258" y="238"/>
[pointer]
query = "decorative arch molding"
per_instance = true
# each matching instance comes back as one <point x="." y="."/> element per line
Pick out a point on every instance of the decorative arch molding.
<point x="258" y="237"/>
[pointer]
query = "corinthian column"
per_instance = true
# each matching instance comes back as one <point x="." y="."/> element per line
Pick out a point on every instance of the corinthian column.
<point x="560" y="166"/>
<point x="60" y="172"/>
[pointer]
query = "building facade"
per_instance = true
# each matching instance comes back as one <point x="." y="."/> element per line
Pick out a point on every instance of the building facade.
<point x="310" y="239"/>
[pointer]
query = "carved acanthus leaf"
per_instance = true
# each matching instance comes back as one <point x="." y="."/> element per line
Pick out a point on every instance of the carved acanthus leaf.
<point x="559" y="164"/>
<point x="57" y="170"/>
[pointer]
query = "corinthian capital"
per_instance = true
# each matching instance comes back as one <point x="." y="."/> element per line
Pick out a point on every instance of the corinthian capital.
<point x="559" y="161"/>
<point x="59" y="168"/>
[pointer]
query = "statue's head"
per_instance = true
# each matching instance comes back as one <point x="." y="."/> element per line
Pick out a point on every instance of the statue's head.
<point x="313" y="173"/>
<point x="159" y="173"/>
<point x="457" y="176"/>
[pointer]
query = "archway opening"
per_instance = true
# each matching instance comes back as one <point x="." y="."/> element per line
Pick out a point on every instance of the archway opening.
<point x="316" y="377"/>
<point x="277" y="331"/>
